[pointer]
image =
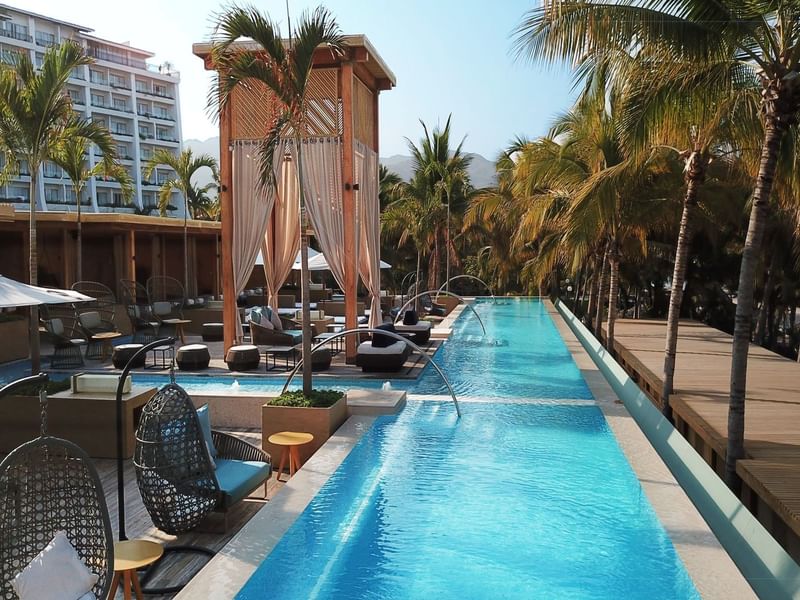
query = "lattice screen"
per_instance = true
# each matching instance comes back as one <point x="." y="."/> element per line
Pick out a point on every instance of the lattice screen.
<point x="255" y="109"/>
<point x="363" y="113"/>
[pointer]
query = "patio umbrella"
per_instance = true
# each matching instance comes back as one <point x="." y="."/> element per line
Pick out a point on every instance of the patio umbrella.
<point x="318" y="263"/>
<point x="15" y="294"/>
<point x="311" y="253"/>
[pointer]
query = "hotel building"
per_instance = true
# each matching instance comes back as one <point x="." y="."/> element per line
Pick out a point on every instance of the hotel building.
<point x="137" y="101"/>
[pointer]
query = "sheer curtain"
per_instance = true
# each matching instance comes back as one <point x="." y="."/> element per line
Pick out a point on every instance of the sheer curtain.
<point x="282" y="239"/>
<point x="322" y="183"/>
<point x="369" y="258"/>
<point x="251" y="208"/>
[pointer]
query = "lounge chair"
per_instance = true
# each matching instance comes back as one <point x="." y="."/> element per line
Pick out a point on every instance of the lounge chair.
<point x="382" y="354"/>
<point x="184" y="469"/>
<point x="68" y="339"/>
<point x="417" y="331"/>
<point x="167" y="299"/>
<point x="144" y="325"/>
<point x="267" y="328"/>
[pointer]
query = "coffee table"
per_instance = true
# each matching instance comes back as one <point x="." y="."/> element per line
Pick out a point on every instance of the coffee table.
<point x="178" y="324"/>
<point x="104" y="339"/>
<point x="130" y="556"/>
<point x="335" y="346"/>
<point x="290" y="441"/>
<point x="287" y="352"/>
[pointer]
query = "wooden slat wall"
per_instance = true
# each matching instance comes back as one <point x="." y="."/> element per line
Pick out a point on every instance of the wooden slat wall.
<point x="363" y="113"/>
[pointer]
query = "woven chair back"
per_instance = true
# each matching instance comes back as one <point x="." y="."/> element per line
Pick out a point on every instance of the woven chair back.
<point x="173" y="467"/>
<point x="104" y="299"/>
<point x="46" y="486"/>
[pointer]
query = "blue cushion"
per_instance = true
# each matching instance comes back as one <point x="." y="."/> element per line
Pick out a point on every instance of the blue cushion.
<point x="205" y="426"/>
<point x="383" y="341"/>
<point x="237" y="478"/>
<point x="297" y="334"/>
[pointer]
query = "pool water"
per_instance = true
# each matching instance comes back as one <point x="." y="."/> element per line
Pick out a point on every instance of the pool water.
<point x="517" y="499"/>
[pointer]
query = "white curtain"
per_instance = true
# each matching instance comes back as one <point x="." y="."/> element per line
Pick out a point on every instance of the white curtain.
<point x="322" y="183"/>
<point x="369" y="258"/>
<point x="251" y="208"/>
<point x="282" y="238"/>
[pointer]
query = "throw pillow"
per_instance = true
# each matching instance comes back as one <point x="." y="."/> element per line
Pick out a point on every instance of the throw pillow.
<point x="383" y="341"/>
<point x="410" y="318"/>
<point x="276" y="321"/>
<point x="255" y="314"/>
<point x="205" y="426"/>
<point x="56" y="573"/>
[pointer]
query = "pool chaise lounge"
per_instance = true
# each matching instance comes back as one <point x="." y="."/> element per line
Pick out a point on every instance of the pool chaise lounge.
<point x="386" y="359"/>
<point x="419" y="332"/>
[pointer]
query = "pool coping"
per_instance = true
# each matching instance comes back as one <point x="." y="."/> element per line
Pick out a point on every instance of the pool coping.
<point x="226" y="573"/>
<point x="711" y="568"/>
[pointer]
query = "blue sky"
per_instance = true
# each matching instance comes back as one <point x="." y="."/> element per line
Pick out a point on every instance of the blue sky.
<point x="449" y="56"/>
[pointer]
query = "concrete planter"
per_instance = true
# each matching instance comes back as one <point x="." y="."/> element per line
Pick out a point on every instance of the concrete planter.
<point x="15" y="340"/>
<point x="322" y="423"/>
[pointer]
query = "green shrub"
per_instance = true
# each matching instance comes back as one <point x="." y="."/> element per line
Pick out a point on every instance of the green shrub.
<point x="52" y="387"/>
<point x="317" y="399"/>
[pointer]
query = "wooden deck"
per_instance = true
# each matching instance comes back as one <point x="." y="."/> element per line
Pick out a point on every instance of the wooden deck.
<point x="771" y="473"/>
<point x="210" y="534"/>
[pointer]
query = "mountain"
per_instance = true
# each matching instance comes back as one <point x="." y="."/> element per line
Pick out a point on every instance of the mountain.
<point x="481" y="170"/>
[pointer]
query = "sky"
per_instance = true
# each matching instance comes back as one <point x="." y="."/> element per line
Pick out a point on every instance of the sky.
<point x="449" y="57"/>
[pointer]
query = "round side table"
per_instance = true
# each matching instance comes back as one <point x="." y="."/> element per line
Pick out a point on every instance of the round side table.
<point x="130" y="555"/>
<point x="290" y="441"/>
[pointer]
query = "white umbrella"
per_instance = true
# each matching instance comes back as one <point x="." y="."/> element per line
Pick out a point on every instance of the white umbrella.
<point x="311" y="253"/>
<point x="14" y="294"/>
<point x="318" y="263"/>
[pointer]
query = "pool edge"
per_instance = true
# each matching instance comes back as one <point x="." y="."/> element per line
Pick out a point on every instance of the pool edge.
<point x="759" y="559"/>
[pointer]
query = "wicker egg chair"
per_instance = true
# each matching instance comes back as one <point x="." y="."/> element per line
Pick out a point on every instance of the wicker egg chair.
<point x="173" y="467"/>
<point x="49" y="485"/>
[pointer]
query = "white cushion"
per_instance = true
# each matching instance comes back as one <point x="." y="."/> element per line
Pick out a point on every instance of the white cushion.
<point x="193" y="347"/>
<point x="91" y="319"/>
<point x="315" y="286"/>
<point x="56" y="326"/>
<point x="56" y="573"/>
<point x="420" y="326"/>
<point x="88" y="596"/>
<point x="244" y="347"/>
<point x="367" y="348"/>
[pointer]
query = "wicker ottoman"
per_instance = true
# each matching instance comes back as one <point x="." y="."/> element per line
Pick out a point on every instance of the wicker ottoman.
<point x="243" y="358"/>
<point x="321" y="360"/>
<point x="212" y="332"/>
<point x="193" y="357"/>
<point x="122" y="354"/>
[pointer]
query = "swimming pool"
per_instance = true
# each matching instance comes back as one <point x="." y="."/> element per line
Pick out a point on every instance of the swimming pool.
<point x="529" y="499"/>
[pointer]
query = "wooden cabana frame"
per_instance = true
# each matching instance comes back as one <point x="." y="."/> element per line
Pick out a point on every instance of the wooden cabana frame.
<point x="343" y="94"/>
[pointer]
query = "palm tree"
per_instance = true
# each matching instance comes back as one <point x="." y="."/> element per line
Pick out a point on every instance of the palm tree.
<point x="70" y="155"/>
<point x="285" y="69"/>
<point x="35" y="117"/>
<point x="195" y="199"/>
<point x="762" y="37"/>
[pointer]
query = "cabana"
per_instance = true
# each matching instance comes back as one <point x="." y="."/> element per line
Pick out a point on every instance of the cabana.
<point x="340" y="180"/>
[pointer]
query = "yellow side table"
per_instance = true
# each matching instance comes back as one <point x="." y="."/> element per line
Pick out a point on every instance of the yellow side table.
<point x="130" y="555"/>
<point x="291" y="441"/>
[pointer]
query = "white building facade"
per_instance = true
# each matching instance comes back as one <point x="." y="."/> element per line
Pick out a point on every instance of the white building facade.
<point x="137" y="101"/>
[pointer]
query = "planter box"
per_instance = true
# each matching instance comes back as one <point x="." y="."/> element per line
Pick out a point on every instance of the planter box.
<point x="322" y="423"/>
<point x="15" y="340"/>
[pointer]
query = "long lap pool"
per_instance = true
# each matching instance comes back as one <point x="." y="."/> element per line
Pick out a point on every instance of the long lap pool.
<point x="528" y="495"/>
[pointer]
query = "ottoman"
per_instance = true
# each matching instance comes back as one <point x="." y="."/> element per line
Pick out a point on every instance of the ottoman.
<point x="321" y="360"/>
<point x="122" y="354"/>
<point x="193" y="357"/>
<point x="212" y="332"/>
<point x="245" y="357"/>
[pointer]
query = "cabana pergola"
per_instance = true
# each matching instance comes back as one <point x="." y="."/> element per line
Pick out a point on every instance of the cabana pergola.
<point x="340" y="180"/>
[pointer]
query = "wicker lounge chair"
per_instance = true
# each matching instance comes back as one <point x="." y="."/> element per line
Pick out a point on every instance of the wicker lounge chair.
<point x="49" y="485"/>
<point x="144" y="325"/>
<point x="167" y="299"/>
<point x="68" y="339"/>
<point x="182" y="475"/>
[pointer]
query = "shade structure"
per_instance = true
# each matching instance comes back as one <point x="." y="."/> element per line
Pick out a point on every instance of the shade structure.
<point x="296" y="266"/>
<point x="14" y="294"/>
<point x="317" y="262"/>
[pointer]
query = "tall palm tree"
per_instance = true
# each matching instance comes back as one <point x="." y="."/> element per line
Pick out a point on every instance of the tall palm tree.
<point x="70" y="155"/>
<point x="35" y="117"/>
<point x="285" y="69"/>
<point x="184" y="165"/>
<point x="763" y="37"/>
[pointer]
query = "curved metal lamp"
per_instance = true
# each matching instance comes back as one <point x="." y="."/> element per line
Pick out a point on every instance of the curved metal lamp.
<point x="391" y="334"/>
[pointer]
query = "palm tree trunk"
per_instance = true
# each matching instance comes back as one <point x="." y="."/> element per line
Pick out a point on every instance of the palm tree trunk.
<point x="766" y="302"/>
<point x="775" y="129"/>
<point x="613" y="293"/>
<point x="416" y="280"/>
<point x="33" y="275"/>
<point x="602" y="292"/>
<point x="591" y="310"/>
<point x="577" y="285"/>
<point x="694" y="177"/>
<point x="185" y="244"/>
<point x="305" y="297"/>
<point x="79" y="241"/>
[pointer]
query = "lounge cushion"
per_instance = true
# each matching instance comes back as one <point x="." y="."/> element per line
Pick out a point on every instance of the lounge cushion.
<point x="91" y="319"/>
<point x="237" y="478"/>
<point x="384" y="341"/>
<point x="56" y="573"/>
<point x="205" y="425"/>
<point x="396" y="348"/>
<point x="162" y="308"/>
<point x="418" y="326"/>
